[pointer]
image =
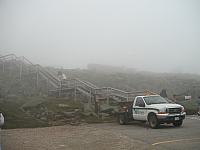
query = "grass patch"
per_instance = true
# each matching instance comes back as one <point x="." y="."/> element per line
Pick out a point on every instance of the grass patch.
<point x="191" y="106"/>
<point x="61" y="104"/>
<point x="16" y="118"/>
<point x="54" y="104"/>
<point x="32" y="112"/>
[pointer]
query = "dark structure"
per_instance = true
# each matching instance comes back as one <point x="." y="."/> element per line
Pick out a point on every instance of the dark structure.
<point x="163" y="93"/>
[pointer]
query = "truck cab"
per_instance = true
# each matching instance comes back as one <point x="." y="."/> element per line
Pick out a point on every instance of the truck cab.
<point x="154" y="109"/>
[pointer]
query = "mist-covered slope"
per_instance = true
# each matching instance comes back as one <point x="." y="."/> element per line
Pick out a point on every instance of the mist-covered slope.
<point x="174" y="83"/>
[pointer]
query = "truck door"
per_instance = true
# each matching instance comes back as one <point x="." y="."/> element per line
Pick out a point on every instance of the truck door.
<point x="139" y="111"/>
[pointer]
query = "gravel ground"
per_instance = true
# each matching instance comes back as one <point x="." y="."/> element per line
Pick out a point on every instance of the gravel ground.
<point x="82" y="137"/>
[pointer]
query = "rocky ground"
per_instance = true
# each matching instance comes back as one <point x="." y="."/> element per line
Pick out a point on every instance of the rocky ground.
<point x="82" y="137"/>
<point x="105" y="136"/>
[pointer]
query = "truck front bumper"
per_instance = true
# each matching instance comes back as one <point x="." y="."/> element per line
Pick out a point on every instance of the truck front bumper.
<point x="170" y="118"/>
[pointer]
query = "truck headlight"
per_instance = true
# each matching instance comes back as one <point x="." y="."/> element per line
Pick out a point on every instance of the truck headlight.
<point x="182" y="109"/>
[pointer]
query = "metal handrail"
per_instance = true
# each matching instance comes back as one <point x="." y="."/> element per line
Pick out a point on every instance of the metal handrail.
<point x="37" y="66"/>
<point x="8" y="56"/>
<point x="84" y="85"/>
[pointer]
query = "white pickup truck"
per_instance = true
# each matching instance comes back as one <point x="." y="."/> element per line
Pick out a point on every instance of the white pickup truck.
<point x="152" y="108"/>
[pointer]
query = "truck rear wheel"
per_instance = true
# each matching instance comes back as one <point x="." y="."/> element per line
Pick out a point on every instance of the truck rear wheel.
<point x="153" y="121"/>
<point x="122" y="119"/>
<point x="178" y="123"/>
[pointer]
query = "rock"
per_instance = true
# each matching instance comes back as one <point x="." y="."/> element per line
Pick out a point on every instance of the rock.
<point x="75" y="123"/>
<point x="37" y="116"/>
<point x="69" y="114"/>
<point x="63" y="105"/>
<point x="43" y="118"/>
<point x="43" y="114"/>
<point x="109" y="110"/>
<point x="76" y="110"/>
<point x="89" y="114"/>
<point x="58" y="116"/>
<point x="105" y="115"/>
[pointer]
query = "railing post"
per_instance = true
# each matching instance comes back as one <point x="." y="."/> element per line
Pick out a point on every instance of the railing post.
<point x="60" y="88"/>
<point x="47" y="85"/>
<point x="75" y="94"/>
<point x="90" y="100"/>
<point x="37" y="77"/>
<point x="21" y="69"/>
<point x="107" y="96"/>
<point x="96" y="104"/>
<point x="127" y="99"/>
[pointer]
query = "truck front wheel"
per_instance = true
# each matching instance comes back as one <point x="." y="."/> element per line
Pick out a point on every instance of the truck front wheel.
<point x="178" y="123"/>
<point x="153" y="121"/>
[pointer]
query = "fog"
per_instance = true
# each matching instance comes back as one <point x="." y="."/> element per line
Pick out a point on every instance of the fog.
<point x="152" y="35"/>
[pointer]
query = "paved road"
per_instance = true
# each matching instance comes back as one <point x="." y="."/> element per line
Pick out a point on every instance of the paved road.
<point x="108" y="136"/>
<point x="166" y="137"/>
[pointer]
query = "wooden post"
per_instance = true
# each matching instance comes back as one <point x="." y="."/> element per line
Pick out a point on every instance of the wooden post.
<point x="98" y="111"/>
<point x="96" y="104"/>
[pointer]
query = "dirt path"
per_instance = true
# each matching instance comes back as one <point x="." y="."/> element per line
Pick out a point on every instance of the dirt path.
<point x="83" y="137"/>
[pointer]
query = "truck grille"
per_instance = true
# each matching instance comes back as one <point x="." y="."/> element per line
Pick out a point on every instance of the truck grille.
<point x="174" y="110"/>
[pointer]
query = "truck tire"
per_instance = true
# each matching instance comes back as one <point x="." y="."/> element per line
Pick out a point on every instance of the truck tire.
<point x="153" y="121"/>
<point x="178" y="123"/>
<point x="122" y="119"/>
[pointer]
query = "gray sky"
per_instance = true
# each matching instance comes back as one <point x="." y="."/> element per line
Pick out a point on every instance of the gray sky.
<point x="153" y="35"/>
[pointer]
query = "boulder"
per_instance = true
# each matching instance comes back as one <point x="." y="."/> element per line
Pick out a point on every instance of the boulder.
<point x="69" y="114"/>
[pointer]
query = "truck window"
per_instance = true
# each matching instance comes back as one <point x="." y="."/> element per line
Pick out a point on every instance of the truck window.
<point x="139" y="102"/>
<point x="155" y="100"/>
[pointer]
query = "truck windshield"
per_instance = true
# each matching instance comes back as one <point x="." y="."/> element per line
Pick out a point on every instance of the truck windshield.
<point x="155" y="100"/>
